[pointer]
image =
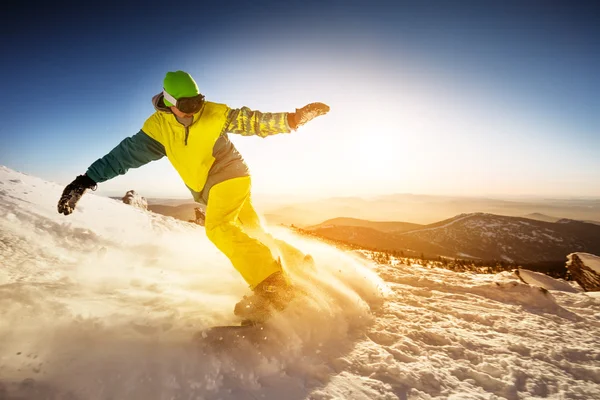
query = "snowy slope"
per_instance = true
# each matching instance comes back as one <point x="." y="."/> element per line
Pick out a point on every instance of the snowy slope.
<point x="104" y="304"/>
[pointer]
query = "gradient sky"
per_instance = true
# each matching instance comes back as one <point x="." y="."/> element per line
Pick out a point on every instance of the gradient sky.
<point x="433" y="97"/>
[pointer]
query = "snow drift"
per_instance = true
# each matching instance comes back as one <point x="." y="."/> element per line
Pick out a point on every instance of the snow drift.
<point x="544" y="281"/>
<point x="104" y="304"/>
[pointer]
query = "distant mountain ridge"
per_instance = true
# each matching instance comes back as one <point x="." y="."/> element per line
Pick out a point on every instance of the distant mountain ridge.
<point x="430" y="209"/>
<point x="305" y="211"/>
<point x="541" y="217"/>
<point x="475" y="235"/>
<point x="383" y="226"/>
<point x="548" y="218"/>
<point x="184" y="212"/>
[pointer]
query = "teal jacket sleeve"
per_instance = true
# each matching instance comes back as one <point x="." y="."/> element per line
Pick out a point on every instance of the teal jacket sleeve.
<point x="132" y="152"/>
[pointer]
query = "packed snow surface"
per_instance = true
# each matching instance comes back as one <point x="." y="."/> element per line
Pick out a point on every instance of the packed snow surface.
<point x="106" y="304"/>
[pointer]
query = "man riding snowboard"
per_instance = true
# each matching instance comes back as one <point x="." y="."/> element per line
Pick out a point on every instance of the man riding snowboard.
<point x="192" y="133"/>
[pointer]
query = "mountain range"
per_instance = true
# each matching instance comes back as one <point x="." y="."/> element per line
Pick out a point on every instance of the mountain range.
<point x="427" y="209"/>
<point x="534" y="237"/>
<point x="419" y="209"/>
<point x="474" y="235"/>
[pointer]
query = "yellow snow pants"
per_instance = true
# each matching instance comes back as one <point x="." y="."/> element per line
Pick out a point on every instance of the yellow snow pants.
<point x="235" y="228"/>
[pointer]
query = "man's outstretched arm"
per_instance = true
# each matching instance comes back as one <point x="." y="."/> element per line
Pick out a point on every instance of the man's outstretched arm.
<point x="132" y="152"/>
<point x="247" y="122"/>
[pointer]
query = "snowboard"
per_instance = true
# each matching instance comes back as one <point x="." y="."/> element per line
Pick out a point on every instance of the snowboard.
<point x="247" y="330"/>
<point x="235" y="335"/>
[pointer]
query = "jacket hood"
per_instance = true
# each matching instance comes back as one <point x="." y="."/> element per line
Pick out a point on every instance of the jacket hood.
<point x="159" y="104"/>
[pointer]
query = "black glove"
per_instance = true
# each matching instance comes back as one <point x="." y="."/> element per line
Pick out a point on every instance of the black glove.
<point x="73" y="192"/>
<point x="306" y="113"/>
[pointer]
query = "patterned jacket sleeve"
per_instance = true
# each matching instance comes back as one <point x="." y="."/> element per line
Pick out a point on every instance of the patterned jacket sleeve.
<point x="132" y="152"/>
<point x="247" y="122"/>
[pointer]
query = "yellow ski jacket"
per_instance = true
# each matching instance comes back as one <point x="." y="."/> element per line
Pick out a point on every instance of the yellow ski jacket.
<point x="198" y="147"/>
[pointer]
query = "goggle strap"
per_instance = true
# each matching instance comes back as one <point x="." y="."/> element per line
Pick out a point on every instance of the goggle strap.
<point x="169" y="98"/>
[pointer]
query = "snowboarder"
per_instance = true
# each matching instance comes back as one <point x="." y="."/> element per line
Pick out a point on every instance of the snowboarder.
<point x="192" y="133"/>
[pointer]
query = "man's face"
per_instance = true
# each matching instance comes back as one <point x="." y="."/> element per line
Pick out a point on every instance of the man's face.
<point x="180" y="114"/>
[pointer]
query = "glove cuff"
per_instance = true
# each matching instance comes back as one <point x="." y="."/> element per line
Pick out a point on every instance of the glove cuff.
<point x="86" y="182"/>
<point x="291" y="119"/>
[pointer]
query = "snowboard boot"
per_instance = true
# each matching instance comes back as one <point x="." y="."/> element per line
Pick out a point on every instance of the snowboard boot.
<point x="272" y="294"/>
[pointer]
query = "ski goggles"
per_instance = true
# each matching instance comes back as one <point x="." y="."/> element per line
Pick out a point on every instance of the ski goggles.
<point x="188" y="105"/>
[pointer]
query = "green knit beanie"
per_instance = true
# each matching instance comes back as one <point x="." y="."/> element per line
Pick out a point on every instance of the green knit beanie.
<point x="179" y="84"/>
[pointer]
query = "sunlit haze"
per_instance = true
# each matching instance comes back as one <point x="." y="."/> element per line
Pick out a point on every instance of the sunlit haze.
<point x="431" y="100"/>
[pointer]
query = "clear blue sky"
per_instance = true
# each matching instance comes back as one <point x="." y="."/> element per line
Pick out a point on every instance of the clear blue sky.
<point x="438" y="97"/>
